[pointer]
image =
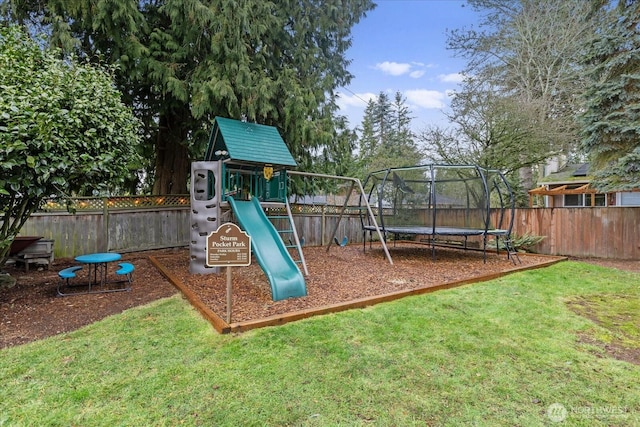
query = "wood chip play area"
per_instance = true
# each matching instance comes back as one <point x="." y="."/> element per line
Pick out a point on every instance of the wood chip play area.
<point x="341" y="279"/>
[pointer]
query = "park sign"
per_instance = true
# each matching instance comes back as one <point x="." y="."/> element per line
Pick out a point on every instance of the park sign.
<point x="228" y="246"/>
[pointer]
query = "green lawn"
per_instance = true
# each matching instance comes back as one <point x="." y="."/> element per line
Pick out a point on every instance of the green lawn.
<point x="491" y="354"/>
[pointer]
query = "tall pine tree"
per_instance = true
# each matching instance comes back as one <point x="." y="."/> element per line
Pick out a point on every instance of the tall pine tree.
<point x="386" y="139"/>
<point x="611" y="117"/>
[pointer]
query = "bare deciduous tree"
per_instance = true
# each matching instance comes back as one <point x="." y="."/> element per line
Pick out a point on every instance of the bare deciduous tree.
<point x="527" y="54"/>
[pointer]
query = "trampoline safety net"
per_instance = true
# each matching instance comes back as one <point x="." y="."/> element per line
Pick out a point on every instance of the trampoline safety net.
<point x="452" y="200"/>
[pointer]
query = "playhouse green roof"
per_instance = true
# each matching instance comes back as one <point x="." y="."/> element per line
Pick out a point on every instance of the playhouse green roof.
<point x="247" y="143"/>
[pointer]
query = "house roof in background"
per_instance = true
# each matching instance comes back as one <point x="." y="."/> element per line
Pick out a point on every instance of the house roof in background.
<point x="247" y="143"/>
<point x="569" y="174"/>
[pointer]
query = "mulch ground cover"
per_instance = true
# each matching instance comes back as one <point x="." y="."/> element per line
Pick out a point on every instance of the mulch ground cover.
<point x="340" y="275"/>
<point x="31" y="310"/>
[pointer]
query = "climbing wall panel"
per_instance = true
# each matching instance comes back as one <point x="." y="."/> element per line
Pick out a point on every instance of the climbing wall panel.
<point x="205" y="213"/>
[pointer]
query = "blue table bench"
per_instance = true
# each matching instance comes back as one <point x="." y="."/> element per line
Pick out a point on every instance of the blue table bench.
<point x="65" y="275"/>
<point x="97" y="281"/>
<point x="126" y="269"/>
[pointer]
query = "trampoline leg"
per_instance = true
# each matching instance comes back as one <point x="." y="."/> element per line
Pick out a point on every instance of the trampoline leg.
<point x="484" y="248"/>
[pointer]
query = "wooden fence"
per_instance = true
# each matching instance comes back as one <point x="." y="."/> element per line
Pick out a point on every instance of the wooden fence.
<point x="606" y="232"/>
<point x="602" y="232"/>
<point x="118" y="231"/>
<point x="132" y="230"/>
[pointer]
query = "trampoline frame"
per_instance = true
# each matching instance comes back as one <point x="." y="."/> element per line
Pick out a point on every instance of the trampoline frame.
<point x="442" y="230"/>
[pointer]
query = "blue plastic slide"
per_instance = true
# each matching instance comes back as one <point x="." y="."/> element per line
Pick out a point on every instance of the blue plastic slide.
<point x="268" y="248"/>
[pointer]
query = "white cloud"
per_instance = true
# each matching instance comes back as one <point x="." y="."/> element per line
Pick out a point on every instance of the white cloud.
<point x="423" y="65"/>
<point x="357" y="100"/>
<point x="423" y="98"/>
<point x="393" y="68"/>
<point x="451" y="78"/>
<point x="415" y="70"/>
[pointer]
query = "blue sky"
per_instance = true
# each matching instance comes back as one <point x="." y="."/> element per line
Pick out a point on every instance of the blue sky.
<point x="401" y="46"/>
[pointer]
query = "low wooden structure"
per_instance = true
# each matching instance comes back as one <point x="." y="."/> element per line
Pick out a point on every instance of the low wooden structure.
<point x="32" y="250"/>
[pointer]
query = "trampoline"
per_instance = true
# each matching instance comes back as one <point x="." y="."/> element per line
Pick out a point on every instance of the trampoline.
<point x="445" y="204"/>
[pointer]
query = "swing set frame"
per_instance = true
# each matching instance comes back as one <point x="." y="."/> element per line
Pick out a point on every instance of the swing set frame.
<point x="354" y="184"/>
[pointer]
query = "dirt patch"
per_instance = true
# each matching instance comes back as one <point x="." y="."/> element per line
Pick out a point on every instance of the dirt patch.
<point x="613" y="350"/>
<point x="620" y="320"/>
<point x="616" y="348"/>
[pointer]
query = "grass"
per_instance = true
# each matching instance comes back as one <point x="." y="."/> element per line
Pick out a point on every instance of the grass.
<point x="496" y="353"/>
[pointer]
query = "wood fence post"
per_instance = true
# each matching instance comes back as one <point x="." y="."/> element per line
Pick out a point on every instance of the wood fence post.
<point x="105" y="225"/>
<point x="322" y="224"/>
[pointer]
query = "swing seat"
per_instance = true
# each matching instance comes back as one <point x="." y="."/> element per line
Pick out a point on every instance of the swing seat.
<point x="345" y="241"/>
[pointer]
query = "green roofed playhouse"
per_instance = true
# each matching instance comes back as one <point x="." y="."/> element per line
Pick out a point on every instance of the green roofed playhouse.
<point x="242" y="172"/>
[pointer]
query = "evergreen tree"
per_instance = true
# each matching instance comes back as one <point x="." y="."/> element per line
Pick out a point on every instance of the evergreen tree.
<point x="369" y="139"/>
<point x="183" y="62"/>
<point x="611" y="118"/>
<point x="386" y="138"/>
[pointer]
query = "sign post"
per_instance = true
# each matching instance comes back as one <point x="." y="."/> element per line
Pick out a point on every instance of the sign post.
<point x="228" y="246"/>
